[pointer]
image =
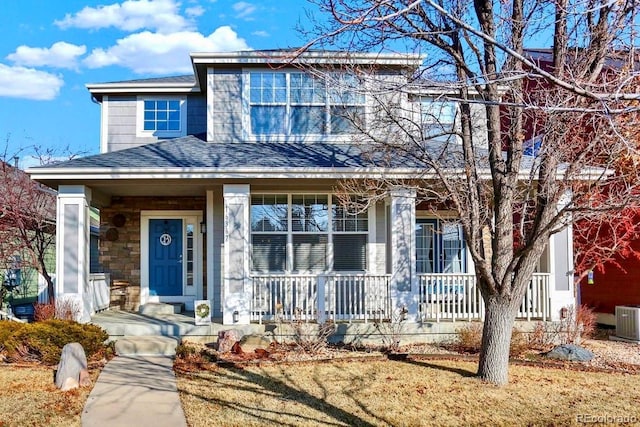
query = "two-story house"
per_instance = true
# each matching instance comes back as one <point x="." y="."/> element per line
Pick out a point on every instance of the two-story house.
<point x="221" y="185"/>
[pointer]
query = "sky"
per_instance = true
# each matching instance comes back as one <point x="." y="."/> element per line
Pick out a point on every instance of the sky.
<point x="50" y="49"/>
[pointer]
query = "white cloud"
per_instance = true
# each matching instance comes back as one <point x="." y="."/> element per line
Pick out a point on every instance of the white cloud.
<point x="131" y="15"/>
<point x="194" y="11"/>
<point x="27" y="83"/>
<point x="155" y="53"/>
<point x="244" y="10"/>
<point x="59" y="55"/>
<point x="261" y="33"/>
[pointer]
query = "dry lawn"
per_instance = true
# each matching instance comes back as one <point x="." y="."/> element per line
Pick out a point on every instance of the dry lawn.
<point x="28" y="397"/>
<point x="404" y="393"/>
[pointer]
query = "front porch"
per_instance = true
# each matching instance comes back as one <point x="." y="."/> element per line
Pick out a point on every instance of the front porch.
<point x="262" y="257"/>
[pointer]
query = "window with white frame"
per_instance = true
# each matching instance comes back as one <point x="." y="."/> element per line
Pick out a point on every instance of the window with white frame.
<point x="294" y="232"/>
<point x="440" y="247"/>
<point x="310" y="231"/>
<point x="438" y="116"/>
<point x="349" y="239"/>
<point x="269" y="231"/>
<point x="164" y="117"/>
<point x="296" y="103"/>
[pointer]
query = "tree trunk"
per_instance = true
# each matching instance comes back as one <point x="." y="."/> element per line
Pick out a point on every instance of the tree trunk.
<point x="496" y="339"/>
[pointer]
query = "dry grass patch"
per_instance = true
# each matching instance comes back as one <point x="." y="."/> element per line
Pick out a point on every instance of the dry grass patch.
<point x="414" y="392"/>
<point x="28" y="397"/>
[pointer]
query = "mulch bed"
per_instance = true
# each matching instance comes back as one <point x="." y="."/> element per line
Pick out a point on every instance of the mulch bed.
<point x="209" y="359"/>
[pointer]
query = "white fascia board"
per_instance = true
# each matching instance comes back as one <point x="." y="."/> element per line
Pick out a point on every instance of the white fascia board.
<point x="253" y="173"/>
<point x="308" y="57"/>
<point x="107" y="88"/>
<point x="207" y="173"/>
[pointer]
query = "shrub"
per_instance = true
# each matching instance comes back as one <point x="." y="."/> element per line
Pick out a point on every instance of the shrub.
<point x="469" y="340"/>
<point x="67" y="309"/>
<point x="43" y="311"/>
<point x="577" y="323"/>
<point x="310" y="337"/>
<point x="7" y="328"/>
<point x="43" y="341"/>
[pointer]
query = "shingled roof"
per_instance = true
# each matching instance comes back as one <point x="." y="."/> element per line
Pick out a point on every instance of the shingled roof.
<point x="192" y="152"/>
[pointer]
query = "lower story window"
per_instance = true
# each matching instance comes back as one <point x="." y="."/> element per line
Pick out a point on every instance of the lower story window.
<point x="350" y="252"/>
<point x="309" y="252"/>
<point x="269" y="252"/>
<point x="296" y="232"/>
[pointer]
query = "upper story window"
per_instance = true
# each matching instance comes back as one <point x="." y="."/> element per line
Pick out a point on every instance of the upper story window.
<point x="438" y="117"/>
<point x="163" y="117"/>
<point x="295" y="103"/>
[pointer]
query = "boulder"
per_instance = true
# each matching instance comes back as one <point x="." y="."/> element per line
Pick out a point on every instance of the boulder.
<point x="251" y="343"/>
<point x="570" y="352"/>
<point x="72" y="370"/>
<point x="226" y="339"/>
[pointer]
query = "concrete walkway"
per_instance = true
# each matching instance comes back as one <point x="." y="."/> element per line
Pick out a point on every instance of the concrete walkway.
<point x="135" y="391"/>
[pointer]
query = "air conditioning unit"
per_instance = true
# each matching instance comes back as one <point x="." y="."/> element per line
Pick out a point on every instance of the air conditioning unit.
<point x="628" y="322"/>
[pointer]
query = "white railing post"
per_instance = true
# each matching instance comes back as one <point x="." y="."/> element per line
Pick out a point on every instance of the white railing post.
<point x="320" y="298"/>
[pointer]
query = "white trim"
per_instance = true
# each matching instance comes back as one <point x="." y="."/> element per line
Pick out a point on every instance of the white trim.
<point x="44" y="173"/>
<point x="372" y="264"/>
<point x="127" y="87"/>
<point x="186" y="216"/>
<point x="141" y="133"/>
<point x="292" y="57"/>
<point x="210" y="103"/>
<point x="104" y="125"/>
<point x="230" y="173"/>
<point x="209" y="240"/>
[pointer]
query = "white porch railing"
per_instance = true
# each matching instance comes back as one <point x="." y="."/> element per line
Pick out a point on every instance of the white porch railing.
<point x="365" y="297"/>
<point x="449" y="296"/>
<point x="357" y="297"/>
<point x="456" y="297"/>
<point x="338" y="297"/>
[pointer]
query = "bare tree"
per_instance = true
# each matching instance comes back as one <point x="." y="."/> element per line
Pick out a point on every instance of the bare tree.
<point x="27" y="222"/>
<point x="536" y="142"/>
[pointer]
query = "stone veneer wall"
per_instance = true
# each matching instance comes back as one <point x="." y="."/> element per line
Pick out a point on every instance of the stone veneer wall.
<point x="121" y="257"/>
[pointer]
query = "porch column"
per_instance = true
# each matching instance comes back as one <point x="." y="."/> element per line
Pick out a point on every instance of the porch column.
<point x="236" y="291"/>
<point x="404" y="289"/>
<point x="561" y="286"/>
<point x="72" y="249"/>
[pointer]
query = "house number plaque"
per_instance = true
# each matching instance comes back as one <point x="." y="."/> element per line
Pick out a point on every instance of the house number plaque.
<point x="165" y="239"/>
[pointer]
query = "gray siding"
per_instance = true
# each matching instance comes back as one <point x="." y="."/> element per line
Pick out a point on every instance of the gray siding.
<point x="121" y="124"/>
<point x="121" y="121"/>
<point x="226" y="106"/>
<point x="196" y="114"/>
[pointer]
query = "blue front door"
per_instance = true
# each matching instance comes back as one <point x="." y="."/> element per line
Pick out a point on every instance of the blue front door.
<point x="165" y="257"/>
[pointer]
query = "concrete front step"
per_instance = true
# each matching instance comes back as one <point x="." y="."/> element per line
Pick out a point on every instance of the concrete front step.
<point x="146" y="346"/>
<point x="158" y="308"/>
